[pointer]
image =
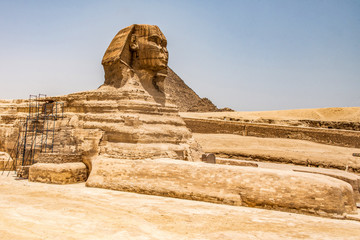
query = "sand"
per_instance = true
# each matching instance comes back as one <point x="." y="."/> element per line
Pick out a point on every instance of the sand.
<point x="44" y="211"/>
<point x="349" y="114"/>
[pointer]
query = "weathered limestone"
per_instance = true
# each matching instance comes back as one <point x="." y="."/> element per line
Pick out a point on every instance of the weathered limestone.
<point x="335" y="137"/>
<point x="245" y="186"/>
<point x="58" y="158"/>
<point x="235" y="162"/>
<point x="131" y="114"/>
<point x="208" y="158"/>
<point x="64" y="173"/>
<point x="115" y="126"/>
<point x="9" y="124"/>
<point x="137" y="50"/>
<point x="58" y="168"/>
<point x="352" y="179"/>
<point x="6" y="163"/>
<point x="22" y="172"/>
<point x="291" y="151"/>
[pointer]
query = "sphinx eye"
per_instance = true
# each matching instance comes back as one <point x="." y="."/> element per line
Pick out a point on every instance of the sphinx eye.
<point x="155" y="39"/>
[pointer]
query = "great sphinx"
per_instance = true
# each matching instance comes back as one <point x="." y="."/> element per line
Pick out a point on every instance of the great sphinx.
<point x="128" y="117"/>
<point x="135" y="66"/>
<point x="128" y="136"/>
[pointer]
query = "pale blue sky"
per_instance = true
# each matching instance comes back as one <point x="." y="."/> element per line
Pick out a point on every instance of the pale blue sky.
<point x="247" y="55"/>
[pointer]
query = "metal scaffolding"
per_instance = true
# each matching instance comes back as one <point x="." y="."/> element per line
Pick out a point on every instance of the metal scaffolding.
<point x="37" y="131"/>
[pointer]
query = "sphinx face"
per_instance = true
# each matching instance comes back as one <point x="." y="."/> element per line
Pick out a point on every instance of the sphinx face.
<point x="139" y="47"/>
<point x="149" y="46"/>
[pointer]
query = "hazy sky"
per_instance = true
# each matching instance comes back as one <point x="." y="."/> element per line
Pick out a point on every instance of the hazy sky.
<point x="245" y="54"/>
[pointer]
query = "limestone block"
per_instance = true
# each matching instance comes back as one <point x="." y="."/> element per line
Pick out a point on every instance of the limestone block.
<point x="235" y="162"/>
<point x="208" y="158"/>
<point x="64" y="173"/>
<point x="58" y="158"/>
<point x="234" y="185"/>
<point x="292" y="151"/>
<point x="22" y="172"/>
<point x="352" y="179"/>
<point x="318" y="135"/>
<point x="6" y="163"/>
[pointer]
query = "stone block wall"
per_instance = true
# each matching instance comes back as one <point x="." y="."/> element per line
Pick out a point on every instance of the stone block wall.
<point x="58" y="158"/>
<point x="342" y="138"/>
<point x="58" y="168"/>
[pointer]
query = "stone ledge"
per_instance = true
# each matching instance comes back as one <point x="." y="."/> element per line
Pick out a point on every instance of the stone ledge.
<point x="352" y="179"/>
<point x="65" y="173"/>
<point x="344" y="138"/>
<point x="235" y="162"/>
<point x="242" y="186"/>
<point x="58" y="158"/>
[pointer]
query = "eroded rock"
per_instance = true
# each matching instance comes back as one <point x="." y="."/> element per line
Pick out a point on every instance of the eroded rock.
<point x="64" y="173"/>
<point x="234" y="185"/>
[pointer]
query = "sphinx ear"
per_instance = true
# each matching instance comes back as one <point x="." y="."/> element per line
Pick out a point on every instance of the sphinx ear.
<point x="133" y="43"/>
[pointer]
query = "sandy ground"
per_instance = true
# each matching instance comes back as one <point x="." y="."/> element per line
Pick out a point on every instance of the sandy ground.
<point x="45" y="211"/>
<point x="351" y="114"/>
<point x="279" y="149"/>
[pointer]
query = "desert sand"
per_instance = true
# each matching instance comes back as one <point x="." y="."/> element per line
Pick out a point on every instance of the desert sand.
<point x="46" y="211"/>
<point x="351" y="114"/>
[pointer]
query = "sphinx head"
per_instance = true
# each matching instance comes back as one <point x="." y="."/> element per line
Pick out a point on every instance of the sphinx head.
<point x="148" y="45"/>
<point x="139" y="48"/>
